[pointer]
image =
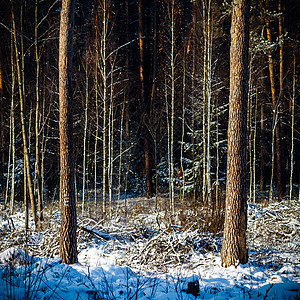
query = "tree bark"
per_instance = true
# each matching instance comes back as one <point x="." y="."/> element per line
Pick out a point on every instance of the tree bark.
<point x="21" y="85"/>
<point x="279" y="168"/>
<point x="68" y="240"/>
<point x="234" y="249"/>
<point x="145" y="105"/>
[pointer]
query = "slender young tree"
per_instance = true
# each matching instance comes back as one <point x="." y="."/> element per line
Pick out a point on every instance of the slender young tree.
<point x="234" y="249"/>
<point x="280" y="180"/>
<point x="37" y="122"/>
<point x="21" y="85"/>
<point x="68" y="240"/>
<point x="144" y="97"/>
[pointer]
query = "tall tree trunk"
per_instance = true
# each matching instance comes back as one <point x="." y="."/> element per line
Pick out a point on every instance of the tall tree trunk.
<point x="234" y="249"/>
<point x="172" y="107"/>
<point x="12" y="134"/>
<point x="127" y="115"/>
<point x="292" y="128"/>
<point x="204" y="102"/>
<point x="111" y="139"/>
<point x="254" y="147"/>
<point x="97" y="122"/>
<point x="279" y="167"/>
<point x="37" y="123"/>
<point x="21" y="85"/>
<point x="103" y="72"/>
<point x="68" y="239"/>
<point x="182" y="194"/>
<point x="145" y="105"/>
<point x="84" y="167"/>
<point x="262" y="149"/>
<point x="209" y="106"/>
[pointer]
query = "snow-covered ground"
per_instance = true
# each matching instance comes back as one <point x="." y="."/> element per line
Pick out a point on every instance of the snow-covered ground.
<point x="152" y="256"/>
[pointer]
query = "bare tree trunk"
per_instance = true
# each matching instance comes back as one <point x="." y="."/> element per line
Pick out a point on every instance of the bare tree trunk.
<point x="144" y="98"/>
<point x="262" y="149"/>
<point x="68" y="239"/>
<point x="12" y="133"/>
<point x="104" y="82"/>
<point x="234" y="249"/>
<point x="249" y="117"/>
<point x="292" y="129"/>
<point x="23" y="124"/>
<point x="172" y="109"/>
<point x="97" y="124"/>
<point x="254" y="147"/>
<point x="168" y="135"/>
<point x="111" y="141"/>
<point x="279" y="168"/>
<point x="127" y="130"/>
<point x="193" y="99"/>
<point x="37" y="124"/>
<point x="183" y="130"/>
<point x="204" y="102"/>
<point x="209" y="95"/>
<point x="274" y="124"/>
<point x="121" y="147"/>
<point x="84" y="134"/>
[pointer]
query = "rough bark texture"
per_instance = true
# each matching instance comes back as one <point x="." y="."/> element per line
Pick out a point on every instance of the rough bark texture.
<point x="68" y="241"/>
<point x="234" y="249"/>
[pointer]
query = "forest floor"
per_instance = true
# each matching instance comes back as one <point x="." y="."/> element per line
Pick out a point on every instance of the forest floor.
<point x="152" y="255"/>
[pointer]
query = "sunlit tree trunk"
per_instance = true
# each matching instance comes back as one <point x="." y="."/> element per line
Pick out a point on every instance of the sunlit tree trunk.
<point x="111" y="140"/>
<point x="127" y="116"/>
<point x="275" y="103"/>
<point x="12" y="137"/>
<point x="209" y="106"/>
<point x="234" y="249"/>
<point x="104" y="87"/>
<point x="68" y="239"/>
<point x="204" y="101"/>
<point x="37" y="123"/>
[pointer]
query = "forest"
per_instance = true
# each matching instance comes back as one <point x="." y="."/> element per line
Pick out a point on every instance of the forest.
<point x="155" y="122"/>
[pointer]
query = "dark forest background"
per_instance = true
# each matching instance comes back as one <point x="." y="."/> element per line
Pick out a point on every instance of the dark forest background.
<point x="151" y="88"/>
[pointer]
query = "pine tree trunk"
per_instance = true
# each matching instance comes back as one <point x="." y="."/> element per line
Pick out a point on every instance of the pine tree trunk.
<point x="68" y="239"/>
<point x="144" y="98"/>
<point x="279" y="167"/>
<point x="234" y="249"/>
